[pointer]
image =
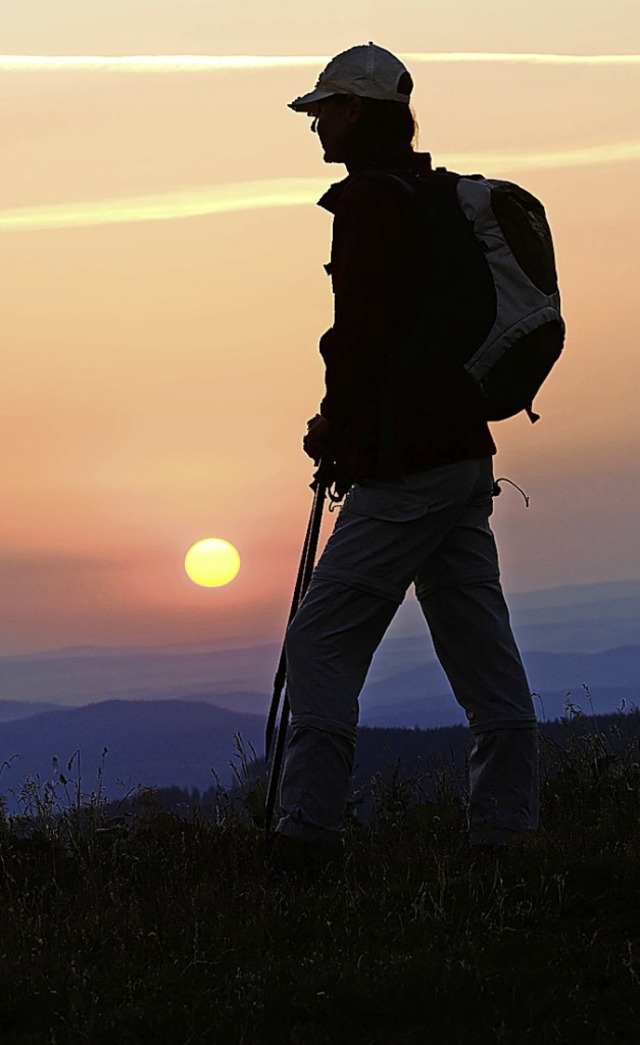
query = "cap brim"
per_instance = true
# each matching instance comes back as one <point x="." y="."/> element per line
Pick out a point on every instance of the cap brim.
<point x="307" y="102"/>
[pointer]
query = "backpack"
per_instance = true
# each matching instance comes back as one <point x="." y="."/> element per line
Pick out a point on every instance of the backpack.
<point x="491" y="317"/>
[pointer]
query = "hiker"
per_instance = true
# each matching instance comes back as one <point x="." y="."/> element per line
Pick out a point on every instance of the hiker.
<point x="420" y="491"/>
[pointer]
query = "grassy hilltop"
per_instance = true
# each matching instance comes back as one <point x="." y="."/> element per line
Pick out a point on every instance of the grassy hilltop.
<point x="155" y="928"/>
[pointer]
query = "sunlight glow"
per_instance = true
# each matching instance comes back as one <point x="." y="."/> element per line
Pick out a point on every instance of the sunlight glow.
<point x="161" y="63"/>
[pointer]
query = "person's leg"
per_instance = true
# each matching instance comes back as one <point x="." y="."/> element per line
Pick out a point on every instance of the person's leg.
<point x="330" y="644"/>
<point x="384" y="531"/>
<point x="461" y="597"/>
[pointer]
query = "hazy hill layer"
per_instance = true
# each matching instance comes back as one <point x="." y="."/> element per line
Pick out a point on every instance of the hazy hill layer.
<point x="585" y="622"/>
<point x="158" y="743"/>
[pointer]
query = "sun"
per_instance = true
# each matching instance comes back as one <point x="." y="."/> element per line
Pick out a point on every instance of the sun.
<point x="212" y="562"/>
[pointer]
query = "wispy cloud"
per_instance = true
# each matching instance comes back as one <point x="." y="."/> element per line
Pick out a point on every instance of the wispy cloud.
<point x="188" y="203"/>
<point x="153" y="63"/>
<point x="517" y="58"/>
<point x="160" y="63"/>
<point x="281" y="192"/>
<point x="492" y="163"/>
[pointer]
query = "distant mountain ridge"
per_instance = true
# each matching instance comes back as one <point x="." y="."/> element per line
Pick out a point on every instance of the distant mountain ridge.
<point x="117" y="746"/>
<point x="406" y="689"/>
<point x="158" y="743"/>
<point x="420" y="694"/>
<point x="78" y="676"/>
<point x="10" y="710"/>
<point x="405" y="686"/>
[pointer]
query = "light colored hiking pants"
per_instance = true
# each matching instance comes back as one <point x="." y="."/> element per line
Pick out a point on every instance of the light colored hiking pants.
<point x="432" y="529"/>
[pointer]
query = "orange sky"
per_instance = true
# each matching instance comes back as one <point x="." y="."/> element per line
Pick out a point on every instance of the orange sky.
<point x="159" y="373"/>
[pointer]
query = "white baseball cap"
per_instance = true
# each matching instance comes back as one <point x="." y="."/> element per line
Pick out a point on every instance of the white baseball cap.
<point x="366" y="70"/>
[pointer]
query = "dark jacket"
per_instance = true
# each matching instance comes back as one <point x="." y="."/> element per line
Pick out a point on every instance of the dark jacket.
<point x="379" y="270"/>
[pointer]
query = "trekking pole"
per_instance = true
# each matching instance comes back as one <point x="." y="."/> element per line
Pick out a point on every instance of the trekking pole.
<point x="274" y="749"/>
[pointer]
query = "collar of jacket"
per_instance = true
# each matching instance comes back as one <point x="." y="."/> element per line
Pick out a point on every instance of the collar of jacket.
<point x="412" y="163"/>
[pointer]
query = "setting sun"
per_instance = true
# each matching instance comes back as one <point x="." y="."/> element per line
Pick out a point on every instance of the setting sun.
<point x="212" y="562"/>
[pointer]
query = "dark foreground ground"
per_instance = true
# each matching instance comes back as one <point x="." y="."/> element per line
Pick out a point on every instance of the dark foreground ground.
<point x="159" y="929"/>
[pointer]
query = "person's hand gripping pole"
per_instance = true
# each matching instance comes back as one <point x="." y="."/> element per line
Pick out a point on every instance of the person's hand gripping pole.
<point x="317" y="442"/>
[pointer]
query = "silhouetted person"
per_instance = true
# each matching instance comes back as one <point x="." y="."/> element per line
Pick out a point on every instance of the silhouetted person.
<point x="418" y="508"/>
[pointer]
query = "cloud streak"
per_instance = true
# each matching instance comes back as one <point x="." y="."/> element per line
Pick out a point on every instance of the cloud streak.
<point x="588" y="156"/>
<point x="281" y="192"/>
<point x="188" y="203"/>
<point x="158" y="63"/>
<point x="517" y="58"/>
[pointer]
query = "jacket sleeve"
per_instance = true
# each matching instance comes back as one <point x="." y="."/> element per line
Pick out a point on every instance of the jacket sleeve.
<point x="376" y="276"/>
